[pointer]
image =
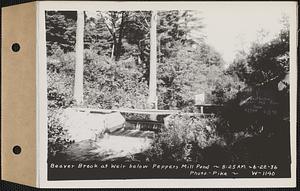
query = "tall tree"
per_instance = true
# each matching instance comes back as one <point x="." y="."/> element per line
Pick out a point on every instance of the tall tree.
<point x="153" y="62"/>
<point x="115" y="23"/>
<point x="184" y="59"/>
<point x="78" y="87"/>
<point x="265" y="62"/>
<point x="187" y="73"/>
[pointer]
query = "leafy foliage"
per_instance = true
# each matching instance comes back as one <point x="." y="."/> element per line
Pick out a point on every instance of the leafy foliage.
<point x="110" y="84"/>
<point x="60" y="30"/>
<point x="265" y="62"/>
<point x="60" y="73"/>
<point x="58" y="138"/>
<point x="192" y="71"/>
<point x="187" y="65"/>
<point x="175" y="28"/>
<point x="184" y="138"/>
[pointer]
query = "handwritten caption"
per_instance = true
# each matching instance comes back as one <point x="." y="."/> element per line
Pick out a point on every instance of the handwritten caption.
<point x="189" y="169"/>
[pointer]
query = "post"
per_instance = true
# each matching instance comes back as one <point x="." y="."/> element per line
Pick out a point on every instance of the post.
<point x="153" y="61"/>
<point x="78" y="86"/>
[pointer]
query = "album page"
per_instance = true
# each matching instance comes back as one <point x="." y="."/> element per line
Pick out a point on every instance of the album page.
<point x="166" y="94"/>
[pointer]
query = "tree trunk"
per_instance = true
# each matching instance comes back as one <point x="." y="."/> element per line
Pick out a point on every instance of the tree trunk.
<point x="153" y="62"/>
<point x="112" y="51"/>
<point x="119" y="43"/>
<point x="78" y="86"/>
<point x="113" y="54"/>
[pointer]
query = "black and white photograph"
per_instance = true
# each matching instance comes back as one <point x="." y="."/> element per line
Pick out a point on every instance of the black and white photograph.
<point x="157" y="93"/>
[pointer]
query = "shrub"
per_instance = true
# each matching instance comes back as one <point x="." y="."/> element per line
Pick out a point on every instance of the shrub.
<point x="184" y="138"/>
<point x="60" y="69"/>
<point x="60" y="80"/>
<point x="58" y="138"/>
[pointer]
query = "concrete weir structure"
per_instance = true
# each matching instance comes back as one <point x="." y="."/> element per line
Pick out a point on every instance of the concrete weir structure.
<point x="81" y="124"/>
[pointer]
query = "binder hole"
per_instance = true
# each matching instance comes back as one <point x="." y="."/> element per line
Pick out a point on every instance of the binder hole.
<point x="17" y="150"/>
<point x="15" y="47"/>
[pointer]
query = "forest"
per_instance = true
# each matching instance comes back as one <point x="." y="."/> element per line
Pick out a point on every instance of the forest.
<point x="253" y="90"/>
